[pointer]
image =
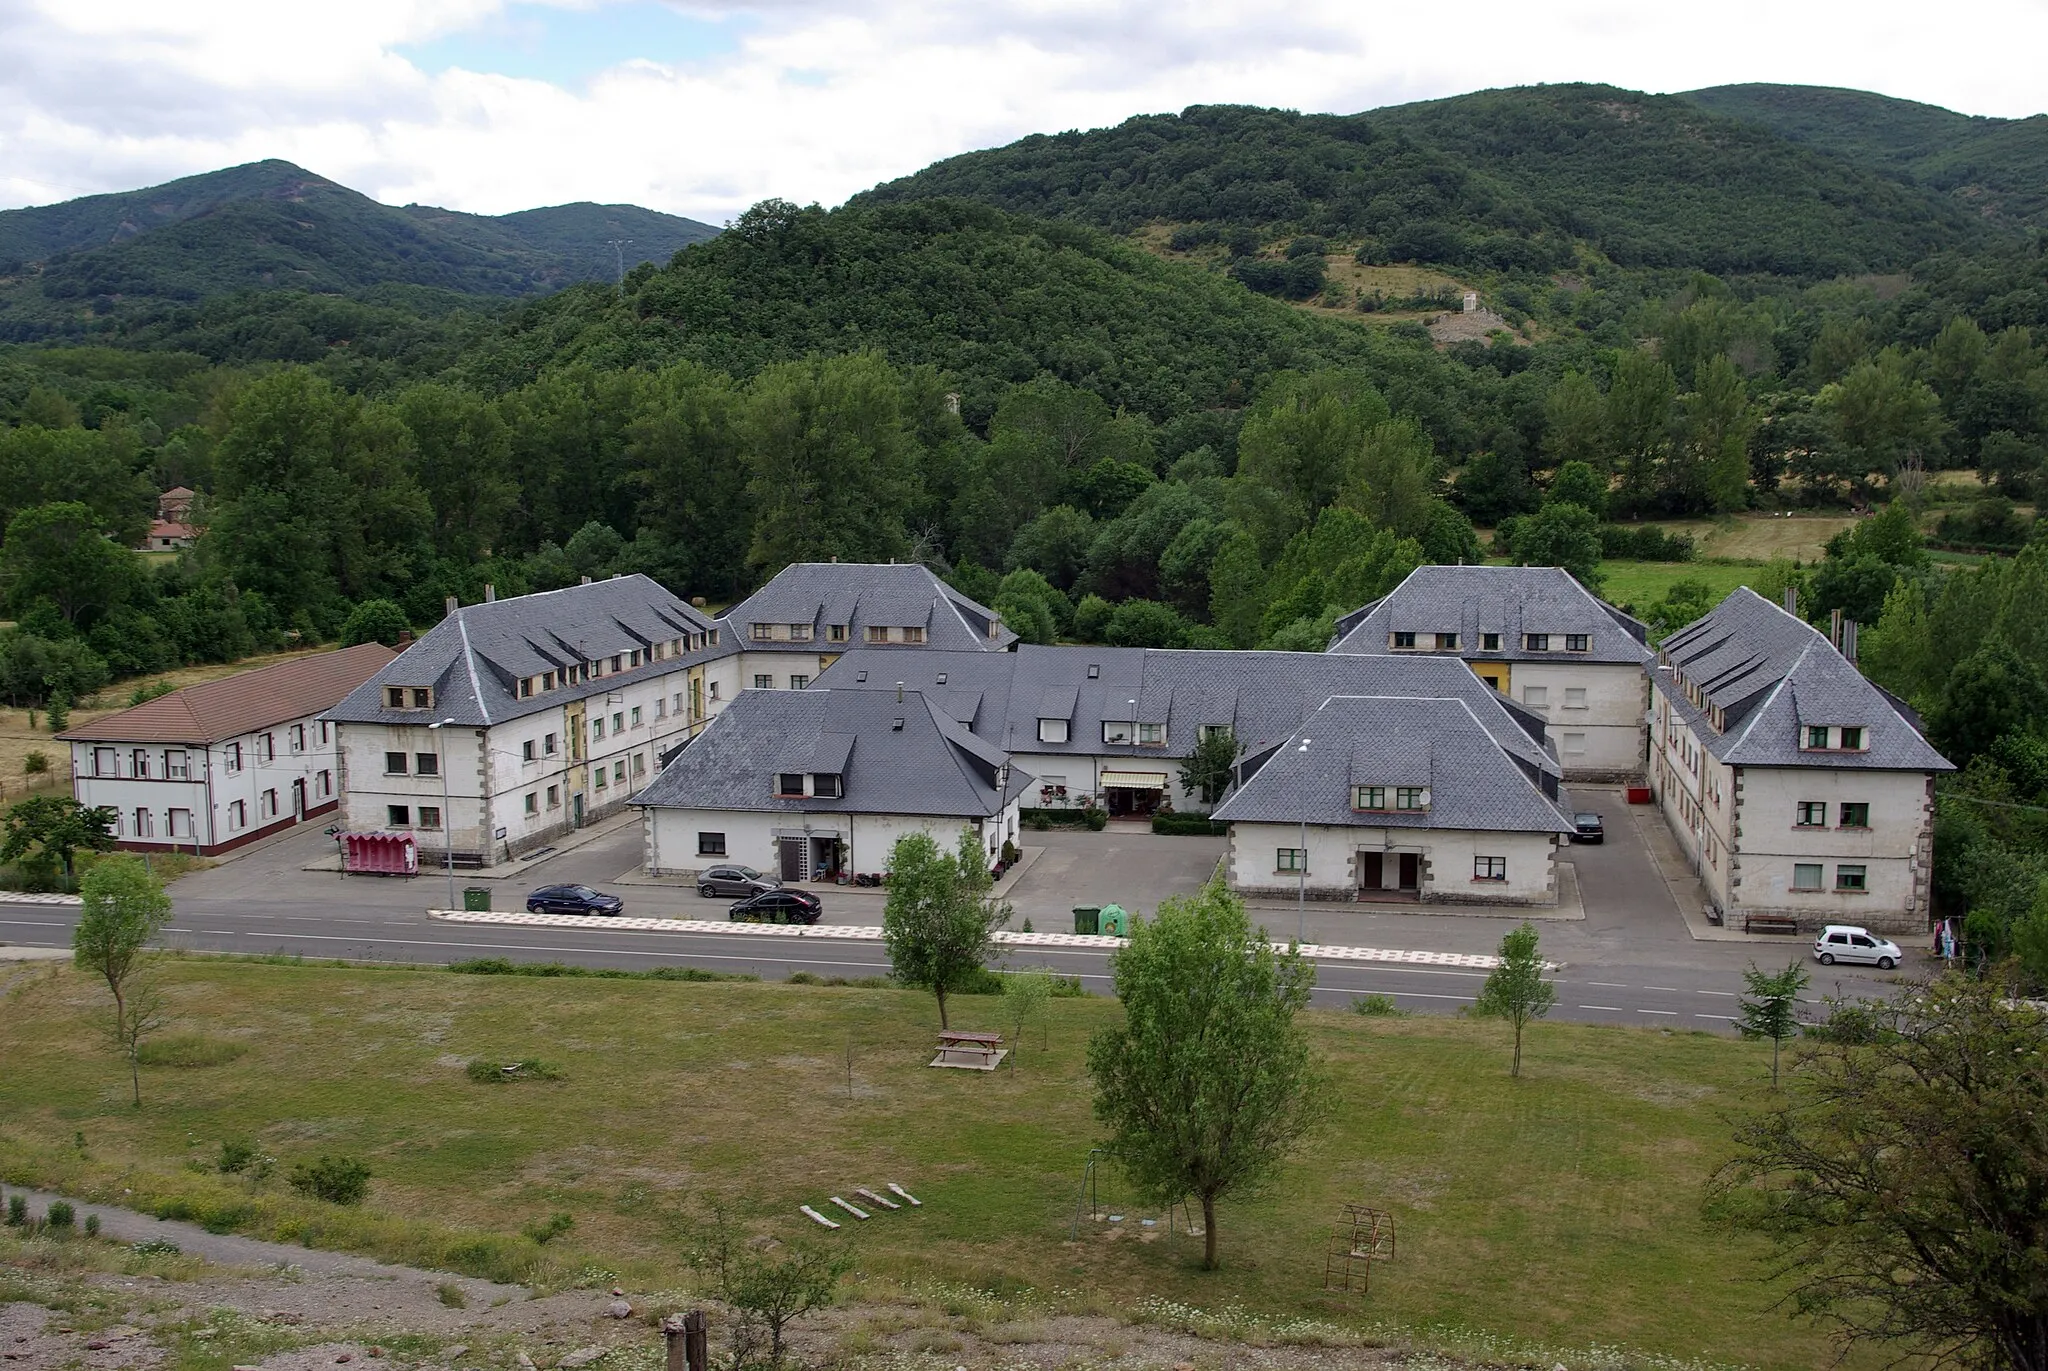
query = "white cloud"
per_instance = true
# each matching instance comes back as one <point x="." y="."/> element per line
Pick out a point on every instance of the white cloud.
<point x="821" y="100"/>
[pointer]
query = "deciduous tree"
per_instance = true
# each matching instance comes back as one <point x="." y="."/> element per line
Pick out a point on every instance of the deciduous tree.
<point x="124" y="907"/>
<point x="1770" y="1009"/>
<point x="1209" y="1083"/>
<point x="1515" y="989"/>
<point x="938" y="922"/>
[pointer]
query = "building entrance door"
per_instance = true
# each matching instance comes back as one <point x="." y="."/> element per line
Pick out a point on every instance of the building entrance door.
<point x="1371" y="870"/>
<point x="789" y="853"/>
<point x="298" y="800"/>
<point x="1411" y="871"/>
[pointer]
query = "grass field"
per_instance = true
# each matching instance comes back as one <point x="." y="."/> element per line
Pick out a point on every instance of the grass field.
<point x="1760" y="537"/>
<point x="1561" y="1210"/>
<point x="1640" y="584"/>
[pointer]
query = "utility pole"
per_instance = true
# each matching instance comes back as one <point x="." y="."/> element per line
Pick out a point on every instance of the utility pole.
<point x="618" y="247"/>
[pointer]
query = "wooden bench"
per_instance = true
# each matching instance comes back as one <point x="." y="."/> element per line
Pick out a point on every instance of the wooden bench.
<point x="970" y="1051"/>
<point x="1769" y="923"/>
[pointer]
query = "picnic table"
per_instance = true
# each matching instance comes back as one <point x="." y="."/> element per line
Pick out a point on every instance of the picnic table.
<point x="970" y="1051"/>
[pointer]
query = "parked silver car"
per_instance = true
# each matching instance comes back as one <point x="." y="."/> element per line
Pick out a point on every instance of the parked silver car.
<point x="730" y="878"/>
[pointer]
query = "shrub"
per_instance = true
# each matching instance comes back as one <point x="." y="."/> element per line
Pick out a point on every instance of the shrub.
<point x="1010" y="852"/>
<point x="149" y="690"/>
<point x="1043" y="819"/>
<point x="545" y="1231"/>
<point x="500" y="966"/>
<point x="1097" y="819"/>
<point x="92" y="1225"/>
<point x="805" y="978"/>
<point x="337" y="1180"/>
<point x="17" y="1211"/>
<point x="1376" y="1006"/>
<point x="1645" y="543"/>
<point x="61" y="1215"/>
<point x="1189" y="824"/>
<point x="235" y="1156"/>
<point x="450" y="1294"/>
<point x="37" y="763"/>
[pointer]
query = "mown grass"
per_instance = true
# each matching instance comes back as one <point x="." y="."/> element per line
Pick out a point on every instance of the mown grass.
<point x="1642" y="584"/>
<point x="1562" y="1208"/>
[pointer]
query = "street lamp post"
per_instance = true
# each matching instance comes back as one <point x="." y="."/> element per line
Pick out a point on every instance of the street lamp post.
<point x="447" y="818"/>
<point x="1301" y="876"/>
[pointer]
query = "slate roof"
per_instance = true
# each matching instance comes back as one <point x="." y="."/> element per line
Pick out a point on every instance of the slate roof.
<point x="214" y="711"/>
<point x="860" y="594"/>
<point x="1391" y="741"/>
<point x="1262" y="696"/>
<point x="1508" y="600"/>
<point x="475" y="658"/>
<point x="930" y="766"/>
<point x="1770" y="674"/>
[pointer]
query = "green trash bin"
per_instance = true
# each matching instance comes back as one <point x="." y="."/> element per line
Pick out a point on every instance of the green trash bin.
<point x="1085" y="916"/>
<point x="476" y="897"/>
<point x="1115" y="923"/>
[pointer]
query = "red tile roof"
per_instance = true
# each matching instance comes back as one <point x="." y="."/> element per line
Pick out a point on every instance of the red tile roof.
<point x="214" y="711"/>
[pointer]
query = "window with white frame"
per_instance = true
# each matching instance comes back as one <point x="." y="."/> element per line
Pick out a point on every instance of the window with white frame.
<point x="178" y="764"/>
<point x="266" y="748"/>
<point x="1118" y="731"/>
<point x="238" y="814"/>
<point x="231" y="758"/>
<point x="178" y="823"/>
<point x="1489" y="868"/>
<point x="1052" y="730"/>
<point x="1536" y="697"/>
<point x="267" y="804"/>
<point x="298" y="737"/>
<point x="138" y="760"/>
<point x="145" y="823"/>
<point x="106" y="762"/>
<point x="1574" y="744"/>
<point x="1574" y="697"/>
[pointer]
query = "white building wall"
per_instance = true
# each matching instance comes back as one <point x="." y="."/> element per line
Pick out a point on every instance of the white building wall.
<point x="231" y="793"/>
<point x="1445" y="868"/>
<point x="672" y="846"/>
<point x="1599" y="736"/>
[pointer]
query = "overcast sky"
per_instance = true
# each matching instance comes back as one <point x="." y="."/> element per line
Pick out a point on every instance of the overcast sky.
<point x="702" y="109"/>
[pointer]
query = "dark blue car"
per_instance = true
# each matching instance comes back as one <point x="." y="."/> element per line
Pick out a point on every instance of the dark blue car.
<point x="573" y="899"/>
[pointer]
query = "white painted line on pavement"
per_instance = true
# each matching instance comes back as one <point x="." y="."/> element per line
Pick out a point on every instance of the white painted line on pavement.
<point x="1725" y="1018"/>
<point x="1608" y="985"/>
<point x="1610" y="1008"/>
<point x="1670" y="988"/>
<point x="32" y="923"/>
<point x="1725" y="994"/>
<point x="1672" y="1012"/>
<point x="23" y="897"/>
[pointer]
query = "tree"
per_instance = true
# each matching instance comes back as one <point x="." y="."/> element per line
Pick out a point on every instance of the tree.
<point x="1145" y="623"/>
<point x="1515" y="989"/>
<point x="1026" y="996"/>
<point x="1771" y="1008"/>
<point x="768" y="1284"/>
<point x="1686" y="601"/>
<point x="1714" y="475"/>
<point x="374" y="621"/>
<point x="938" y="924"/>
<point x="60" y="553"/>
<point x="57" y="827"/>
<point x="1903" y="1176"/>
<point x="1209" y="1083"/>
<point x="1577" y="483"/>
<point x="1575" y="424"/>
<point x="124" y="907"/>
<point x="1639" y="421"/>
<point x="1055" y="544"/>
<point x="1450" y="540"/>
<point x="1992" y="692"/>
<point x="1565" y="536"/>
<point x="830" y="459"/>
<point x="1208" y="769"/>
<point x="1882" y="415"/>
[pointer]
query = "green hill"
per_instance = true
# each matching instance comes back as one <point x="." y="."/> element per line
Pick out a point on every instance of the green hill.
<point x="1498" y="179"/>
<point x="73" y="267"/>
<point x="1997" y="168"/>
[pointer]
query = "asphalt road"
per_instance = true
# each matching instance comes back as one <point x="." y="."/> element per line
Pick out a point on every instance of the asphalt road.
<point x="1630" y="960"/>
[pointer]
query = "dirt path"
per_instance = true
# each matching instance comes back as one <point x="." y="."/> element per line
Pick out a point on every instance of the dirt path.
<point x="125" y="1225"/>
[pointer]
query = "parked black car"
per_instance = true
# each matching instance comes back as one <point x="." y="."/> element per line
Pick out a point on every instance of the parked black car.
<point x="732" y="879"/>
<point x="778" y="907"/>
<point x="573" y="899"/>
<point x="1587" y="828"/>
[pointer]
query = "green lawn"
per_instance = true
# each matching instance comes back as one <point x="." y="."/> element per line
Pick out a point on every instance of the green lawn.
<point x="1561" y="1209"/>
<point x="1641" y="584"/>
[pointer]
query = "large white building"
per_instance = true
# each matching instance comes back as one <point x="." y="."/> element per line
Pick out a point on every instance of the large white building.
<point x="1798" y="789"/>
<point x="514" y="721"/>
<point x="1535" y="635"/>
<point x="819" y="785"/>
<point x="211" y="767"/>
<point x="1388" y="798"/>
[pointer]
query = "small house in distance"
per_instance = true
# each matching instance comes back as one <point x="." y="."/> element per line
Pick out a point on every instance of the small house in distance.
<point x="1386" y="798"/>
<point x="172" y="528"/>
<point x="214" y="766"/>
<point x="819" y="784"/>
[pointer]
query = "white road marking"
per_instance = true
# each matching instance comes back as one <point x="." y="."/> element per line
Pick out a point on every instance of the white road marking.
<point x="1672" y="989"/>
<point x="1725" y="1018"/>
<point x="1610" y="1008"/>
<point x="1724" y="994"/>
<point x="1607" y="985"/>
<point x="1672" y="1012"/>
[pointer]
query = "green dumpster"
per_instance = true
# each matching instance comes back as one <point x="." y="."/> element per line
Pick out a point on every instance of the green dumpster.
<point x="1115" y="923"/>
<point x="476" y="897"/>
<point x="1085" y="916"/>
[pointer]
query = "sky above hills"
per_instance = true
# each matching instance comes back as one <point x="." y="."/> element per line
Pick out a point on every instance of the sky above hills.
<point x="703" y="108"/>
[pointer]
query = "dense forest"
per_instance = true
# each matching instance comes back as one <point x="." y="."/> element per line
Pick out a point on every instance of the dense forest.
<point x="1112" y="384"/>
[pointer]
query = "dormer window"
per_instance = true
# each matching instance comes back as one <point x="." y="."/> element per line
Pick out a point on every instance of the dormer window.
<point x="877" y="634"/>
<point x="1052" y="730"/>
<point x="1816" y="736"/>
<point x="1578" y="642"/>
<point x="1151" y="735"/>
<point x="1536" y="642"/>
<point x="1489" y="642"/>
<point x="914" y="633"/>
<point x="408" y="697"/>
<point x="1447" y="642"/>
<point x="1368" y="797"/>
<point x="1411" y="797"/>
<point x="760" y="633"/>
<point x="799" y="633"/>
<point x="394" y="697"/>
<point x="789" y="785"/>
<point x="835" y="633"/>
<point x="1852" y="740"/>
<point x="1404" y="640"/>
<point x="827" y="785"/>
<point x="1117" y="731"/>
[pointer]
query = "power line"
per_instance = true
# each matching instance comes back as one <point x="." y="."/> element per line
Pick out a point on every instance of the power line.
<point x="618" y="247"/>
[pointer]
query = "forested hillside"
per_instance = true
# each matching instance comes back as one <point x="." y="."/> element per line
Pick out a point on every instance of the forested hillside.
<point x="1996" y="168"/>
<point x="106" y="263"/>
<point x="1502" y="180"/>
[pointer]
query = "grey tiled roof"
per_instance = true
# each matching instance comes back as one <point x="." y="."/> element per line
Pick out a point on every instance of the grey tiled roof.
<point x="475" y="658"/>
<point x="1508" y="600"/>
<point x="1394" y="741"/>
<point x="928" y="766"/>
<point x="1771" y="674"/>
<point x="858" y="595"/>
<point x="1261" y="696"/>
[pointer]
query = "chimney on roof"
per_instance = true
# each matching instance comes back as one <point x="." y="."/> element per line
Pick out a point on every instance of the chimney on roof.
<point x="1792" y="601"/>
<point x="404" y="639"/>
<point x="1849" y="640"/>
<point x="490" y="593"/>
<point x="899" y="692"/>
<point x="585" y="581"/>
<point x="1835" y="628"/>
<point x="453" y="604"/>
